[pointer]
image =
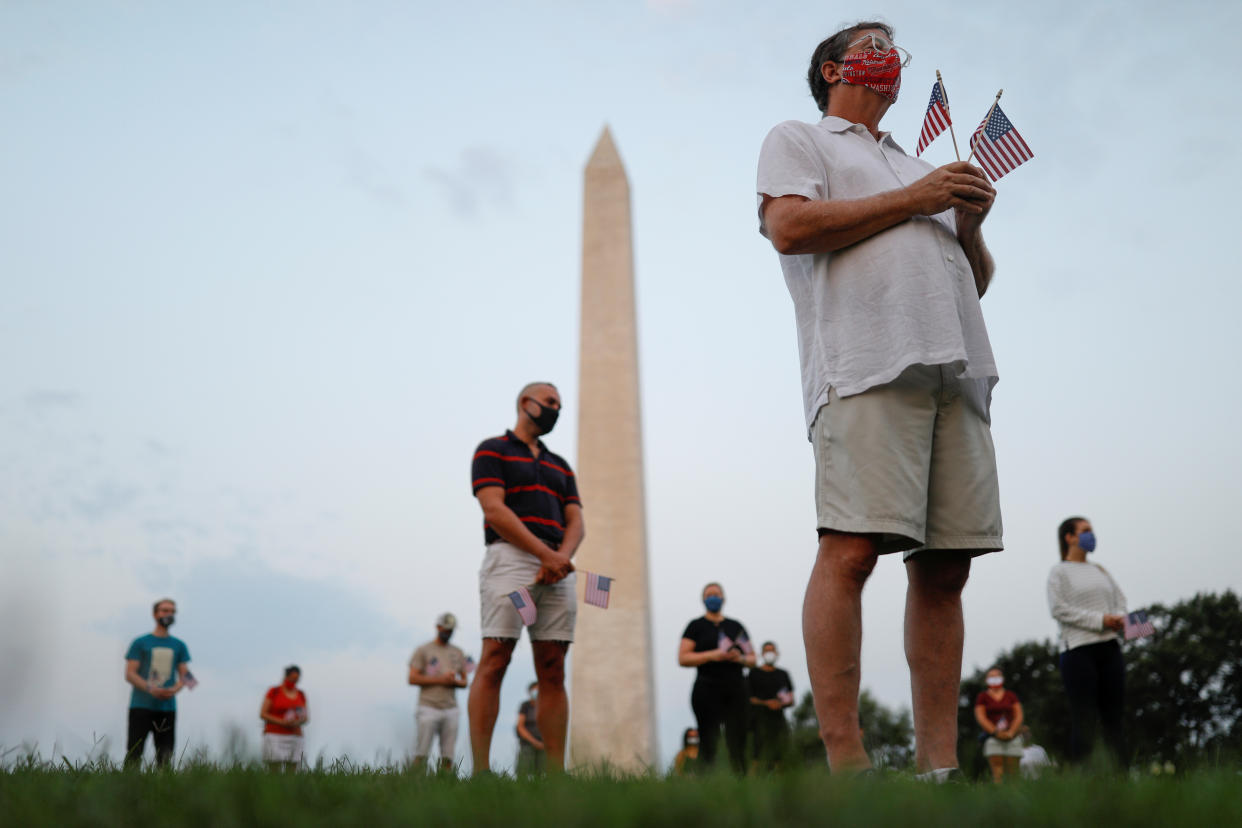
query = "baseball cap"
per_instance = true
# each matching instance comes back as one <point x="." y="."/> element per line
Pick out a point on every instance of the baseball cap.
<point x="447" y="620"/>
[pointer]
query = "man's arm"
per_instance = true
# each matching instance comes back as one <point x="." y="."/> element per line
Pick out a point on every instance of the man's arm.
<point x="575" y="529"/>
<point x="526" y="734"/>
<point x="132" y="676"/>
<point x="982" y="266"/>
<point x="420" y="679"/>
<point x="797" y="224"/>
<point x="505" y="522"/>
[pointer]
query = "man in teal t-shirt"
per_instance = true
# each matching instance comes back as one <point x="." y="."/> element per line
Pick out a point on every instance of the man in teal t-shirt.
<point x="156" y="667"/>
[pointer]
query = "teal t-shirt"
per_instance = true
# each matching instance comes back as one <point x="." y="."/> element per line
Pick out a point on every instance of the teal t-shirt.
<point x="158" y="660"/>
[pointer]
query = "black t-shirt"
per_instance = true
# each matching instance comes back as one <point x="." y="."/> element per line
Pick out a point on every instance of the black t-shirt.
<point x="708" y="636"/>
<point x="528" y="710"/>
<point x="765" y="684"/>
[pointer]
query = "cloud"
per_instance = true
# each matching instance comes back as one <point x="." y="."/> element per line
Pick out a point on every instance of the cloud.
<point x="105" y="500"/>
<point x="369" y="175"/>
<point x="47" y="399"/>
<point x="481" y="177"/>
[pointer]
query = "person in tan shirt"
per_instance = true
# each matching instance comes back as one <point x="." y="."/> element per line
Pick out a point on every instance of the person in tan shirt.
<point x="438" y="668"/>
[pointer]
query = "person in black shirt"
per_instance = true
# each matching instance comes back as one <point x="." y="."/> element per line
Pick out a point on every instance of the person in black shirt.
<point x="719" y="648"/>
<point x="771" y="692"/>
<point x="531" y="750"/>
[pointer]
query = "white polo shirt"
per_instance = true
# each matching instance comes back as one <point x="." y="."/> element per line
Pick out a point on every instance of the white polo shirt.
<point x="904" y="296"/>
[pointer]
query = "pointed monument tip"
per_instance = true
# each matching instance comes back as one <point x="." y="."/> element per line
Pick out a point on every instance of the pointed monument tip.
<point x="605" y="153"/>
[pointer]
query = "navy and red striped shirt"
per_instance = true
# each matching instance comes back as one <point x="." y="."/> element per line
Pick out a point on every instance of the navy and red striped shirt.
<point x="537" y="489"/>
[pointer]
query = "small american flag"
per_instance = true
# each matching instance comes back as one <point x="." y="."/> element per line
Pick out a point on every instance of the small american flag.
<point x="189" y="681"/>
<point x="999" y="146"/>
<point x="785" y="697"/>
<point x="469" y="668"/>
<point x="724" y="642"/>
<point x="433" y="667"/>
<point x="1137" y="625"/>
<point x="524" y="604"/>
<point x="598" y="589"/>
<point x="936" y="120"/>
<point x="744" y="644"/>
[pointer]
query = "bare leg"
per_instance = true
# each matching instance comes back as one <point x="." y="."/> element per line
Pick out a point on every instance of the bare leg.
<point x="997" y="764"/>
<point x="832" y="634"/>
<point x="484" y="703"/>
<point x="1012" y="767"/>
<point x="552" y="705"/>
<point x="934" y="637"/>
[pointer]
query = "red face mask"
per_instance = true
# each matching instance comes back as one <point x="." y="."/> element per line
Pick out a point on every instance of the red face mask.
<point x="878" y="71"/>
<point x="291" y="683"/>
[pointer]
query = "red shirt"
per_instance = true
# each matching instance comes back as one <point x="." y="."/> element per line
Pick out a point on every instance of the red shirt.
<point x="281" y="705"/>
<point x="998" y="709"/>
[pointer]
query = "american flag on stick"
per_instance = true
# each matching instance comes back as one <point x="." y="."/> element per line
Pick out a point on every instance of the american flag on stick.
<point x="1137" y="625"/>
<point x="936" y="120"/>
<point x="598" y="589"/>
<point x="744" y="644"/>
<point x="785" y="697"/>
<point x="724" y="642"/>
<point x="999" y="146"/>
<point x="469" y="668"/>
<point x="524" y="604"/>
<point x="189" y="681"/>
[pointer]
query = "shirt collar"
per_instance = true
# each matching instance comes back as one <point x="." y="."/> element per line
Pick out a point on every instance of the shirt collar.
<point x="509" y="433"/>
<point x="832" y="123"/>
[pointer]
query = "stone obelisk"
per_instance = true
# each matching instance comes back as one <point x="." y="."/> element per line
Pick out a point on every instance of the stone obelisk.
<point x="612" y="716"/>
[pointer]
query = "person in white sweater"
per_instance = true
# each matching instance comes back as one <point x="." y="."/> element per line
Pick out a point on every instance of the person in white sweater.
<point x="1090" y="610"/>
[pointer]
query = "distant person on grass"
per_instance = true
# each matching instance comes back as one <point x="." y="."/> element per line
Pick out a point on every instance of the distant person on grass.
<point x="156" y="667"/>
<point x="686" y="761"/>
<point x="718" y="648"/>
<point x="999" y="712"/>
<point x="771" y="691"/>
<point x="532" y="525"/>
<point x="884" y="257"/>
<point x="284" y="713"/>
<point x="438" y="669"/>
<point x="532" y="753"/>
<point x="1090" y="611"/>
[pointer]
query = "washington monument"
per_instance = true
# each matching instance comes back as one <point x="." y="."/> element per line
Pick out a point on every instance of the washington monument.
<point x="613" y="698"/>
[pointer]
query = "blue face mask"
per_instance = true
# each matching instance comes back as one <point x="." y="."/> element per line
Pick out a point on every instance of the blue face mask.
<point x="713" y="603"/>
<point x="1086" y="540"/>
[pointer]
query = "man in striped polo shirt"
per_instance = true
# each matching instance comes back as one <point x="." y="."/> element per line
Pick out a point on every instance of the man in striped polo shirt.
<point x="532" y="525"/>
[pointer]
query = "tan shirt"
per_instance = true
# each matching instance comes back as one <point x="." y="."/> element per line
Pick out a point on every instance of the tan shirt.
<point x="436" y="659"/>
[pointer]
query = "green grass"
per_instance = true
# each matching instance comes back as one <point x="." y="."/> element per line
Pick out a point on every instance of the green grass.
<point x="33" y="793"/>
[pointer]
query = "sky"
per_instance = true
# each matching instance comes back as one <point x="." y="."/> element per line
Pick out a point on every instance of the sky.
<point x="271" y="271"/>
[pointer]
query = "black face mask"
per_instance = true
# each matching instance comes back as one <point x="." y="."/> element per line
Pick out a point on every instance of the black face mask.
<point x="166" y="621"/>
<point x="444" y="636"/>
<point x="547" y="417"/>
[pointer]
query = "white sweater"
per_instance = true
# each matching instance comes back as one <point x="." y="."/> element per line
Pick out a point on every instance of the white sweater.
<point x="1079" y="596"/>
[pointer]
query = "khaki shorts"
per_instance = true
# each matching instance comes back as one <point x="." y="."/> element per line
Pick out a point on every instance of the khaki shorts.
<point x="911" y="462"/>
<point x="283" y="747"/>
<point x="999" y="747"/>
<point x="505" y="568"/>
<point x="436" y="722"/>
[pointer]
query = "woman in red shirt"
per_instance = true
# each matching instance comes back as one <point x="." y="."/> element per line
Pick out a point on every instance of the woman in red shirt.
<point x="284" y="713"/>
<point x="999" y="713"/>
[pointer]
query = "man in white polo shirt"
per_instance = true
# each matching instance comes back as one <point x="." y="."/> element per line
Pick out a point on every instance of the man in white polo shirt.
<point x="884" y="258"/>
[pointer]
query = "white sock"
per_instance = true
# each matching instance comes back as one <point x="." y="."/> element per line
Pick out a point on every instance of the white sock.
<point x="937" y="777"/>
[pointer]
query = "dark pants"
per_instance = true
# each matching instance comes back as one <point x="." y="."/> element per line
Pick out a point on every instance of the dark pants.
<point x="161" y="724"/>
<point x="716" y="703"/>
<point x="1095" y="682"/>
<point x="771" y="737"/>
